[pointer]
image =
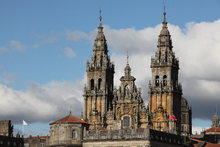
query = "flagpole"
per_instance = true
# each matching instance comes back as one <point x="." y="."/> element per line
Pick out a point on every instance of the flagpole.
<point x="24" y="123"/>
<point x="22" y="129"/>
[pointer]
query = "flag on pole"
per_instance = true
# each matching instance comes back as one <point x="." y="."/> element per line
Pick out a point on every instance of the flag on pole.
<point x="24" y="123"/>
<point x="172" y="117"/>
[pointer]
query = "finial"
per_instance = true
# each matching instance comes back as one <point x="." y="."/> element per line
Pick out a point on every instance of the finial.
<point x="127" y="58"/>
<point x="70" y="111"/>
<point x="164" y="7"/>
<point x="164" y="13"/>
<point x="81" y="113"/>
<point x="127" y="68"/>
<point x="100" y="16"/>
<point x="164" y="17"/>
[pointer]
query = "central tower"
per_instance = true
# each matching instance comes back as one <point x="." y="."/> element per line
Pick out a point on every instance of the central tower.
<point x="98" y="92"/>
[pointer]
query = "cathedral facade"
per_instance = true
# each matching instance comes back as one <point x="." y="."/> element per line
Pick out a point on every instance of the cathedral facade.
<point x="117" y="116"/>
<point x="106" y="107"/>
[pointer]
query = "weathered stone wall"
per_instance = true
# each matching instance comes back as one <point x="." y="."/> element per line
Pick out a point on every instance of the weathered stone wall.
<point x="39" y="141"/>
<point x="132" y="138"/>
<point x="62" y="134"/>
<point x="132" y="143"/>
<point x="122" y="143"/>
<point x="6" y="128"/>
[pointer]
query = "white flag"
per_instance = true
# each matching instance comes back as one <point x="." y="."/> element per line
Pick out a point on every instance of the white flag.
<point x="24" y="123"/>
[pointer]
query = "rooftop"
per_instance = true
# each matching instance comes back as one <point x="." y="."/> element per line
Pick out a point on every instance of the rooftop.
<point x="213" y="129"/>
<point x="70" y="119"/>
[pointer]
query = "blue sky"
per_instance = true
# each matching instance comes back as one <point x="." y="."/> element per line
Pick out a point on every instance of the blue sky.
<point x="31" y="22"/>
<point x="37" y="55"/>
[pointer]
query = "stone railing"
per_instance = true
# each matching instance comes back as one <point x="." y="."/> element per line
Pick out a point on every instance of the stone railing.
<point x="126" y="134"/>
<point x="63" y="142"/>
<point x="133" y="134"/>
<point x="167" y="137"/>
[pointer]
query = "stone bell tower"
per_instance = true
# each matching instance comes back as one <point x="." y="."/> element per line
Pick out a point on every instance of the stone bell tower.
<point x="165" y="92"/>
<point x="215" y="120"/>
<point x="98" y="92"/>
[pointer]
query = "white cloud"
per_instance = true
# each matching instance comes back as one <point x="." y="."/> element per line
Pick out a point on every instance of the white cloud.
<point x="75" y="35"/>
<point x="49" y="37"/>
<point x="198" y="49"/>
<point x="17" y="45"/>
<point x="69" y="52"/>
<point x="41" y="102"/>
<point x="35" y="45"/>
<point x="132" y="40"/>
<point x="198" y="130"/>
<point x="43" y="39"/>
<point x="3" y="48"/>
<point x="13" y="45"/>
<point x="8" y="78"/>
<point x="197" y="46"/>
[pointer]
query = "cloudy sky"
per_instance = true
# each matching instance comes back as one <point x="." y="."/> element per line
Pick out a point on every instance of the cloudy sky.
<point x="44" y="46"/>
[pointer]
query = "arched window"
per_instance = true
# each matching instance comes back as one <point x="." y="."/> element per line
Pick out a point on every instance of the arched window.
<point x="164" y="80"/>
<point x="74" y="134"/>
<point x="126" y="121"/>
<point x="99" y="83"/>
<point x="165" y="57"/>
<point x="157" y="81"/>
<point x="92" y="84"/>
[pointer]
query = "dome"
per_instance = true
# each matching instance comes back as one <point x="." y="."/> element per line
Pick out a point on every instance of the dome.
<point x="100" y="35"/>
<point x="215" y="117"/>
<point x="184" y="102"/>
<point x="127" y="68"/>
<point x="164" y="31"/>
<point x="185" y="105"/>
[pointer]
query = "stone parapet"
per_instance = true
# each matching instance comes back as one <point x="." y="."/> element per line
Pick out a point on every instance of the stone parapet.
<point x="133" y="134"/>
<point x="125" y="134"/>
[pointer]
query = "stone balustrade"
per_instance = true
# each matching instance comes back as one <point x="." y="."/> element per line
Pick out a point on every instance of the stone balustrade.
<point x="132" y="134"/>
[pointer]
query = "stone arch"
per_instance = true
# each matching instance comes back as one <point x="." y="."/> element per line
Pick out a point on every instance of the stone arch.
<point x="126" y="121"/>
<point x="157" y="81"/>
<point x="165" y="80"/>
<point x="92" y="84"/>
<point x="99" y="83"/>
<point x="74" y="134"/>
